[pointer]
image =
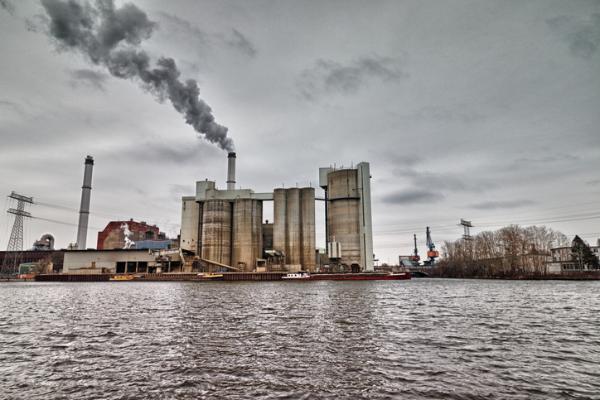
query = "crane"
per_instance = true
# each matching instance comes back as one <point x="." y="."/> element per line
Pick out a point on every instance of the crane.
<point x="432" y="253"/>
<point x="415" y="257"/>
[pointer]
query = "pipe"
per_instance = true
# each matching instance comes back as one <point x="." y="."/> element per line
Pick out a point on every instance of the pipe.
<point x="84" y="209"/>
<point x="231" y="171"/>
<point x="50" y="240"/>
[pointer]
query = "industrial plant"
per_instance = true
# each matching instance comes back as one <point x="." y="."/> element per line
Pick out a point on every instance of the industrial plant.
<point x="222" y="230"/>
<point x="225" y="228"/>
<point x="223" y="236"/>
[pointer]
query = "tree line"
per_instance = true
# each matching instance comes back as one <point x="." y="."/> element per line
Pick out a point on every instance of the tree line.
<point x="509" y="252"/>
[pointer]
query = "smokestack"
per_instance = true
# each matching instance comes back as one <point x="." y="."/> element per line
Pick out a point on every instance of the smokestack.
<point x="231" y="171"/>
<point x="84" y="208"/>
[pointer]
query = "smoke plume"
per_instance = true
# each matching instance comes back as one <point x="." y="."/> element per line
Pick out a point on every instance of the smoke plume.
<point x="8" y="6"/>
<point x="111" y="37"/>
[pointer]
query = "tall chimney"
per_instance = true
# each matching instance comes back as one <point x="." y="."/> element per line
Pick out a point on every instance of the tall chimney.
<point x="84" y="208"/>
<point x="231" y="171"/>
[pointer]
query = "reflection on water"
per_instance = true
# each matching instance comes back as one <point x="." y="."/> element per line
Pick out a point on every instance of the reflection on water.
<point x="411" y="340"/>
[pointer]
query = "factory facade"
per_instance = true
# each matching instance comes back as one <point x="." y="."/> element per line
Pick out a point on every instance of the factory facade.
<point x="117" y="261"/>
<point x="225" y="228"/>
<point x="131" y="234"/>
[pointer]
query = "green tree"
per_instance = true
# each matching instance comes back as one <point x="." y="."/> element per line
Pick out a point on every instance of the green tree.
<point x="582" y="255"/>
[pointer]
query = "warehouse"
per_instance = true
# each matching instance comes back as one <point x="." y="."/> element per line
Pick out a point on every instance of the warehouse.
<point x="109" y="261"/>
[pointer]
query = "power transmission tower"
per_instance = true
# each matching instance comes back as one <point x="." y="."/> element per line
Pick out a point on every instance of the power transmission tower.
<point x="15" y="243"/>
<point x="467" y="231"/>
<point x="467" y="225"/>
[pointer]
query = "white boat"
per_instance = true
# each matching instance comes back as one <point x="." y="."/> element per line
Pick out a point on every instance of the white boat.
<point x="297" y="275"/>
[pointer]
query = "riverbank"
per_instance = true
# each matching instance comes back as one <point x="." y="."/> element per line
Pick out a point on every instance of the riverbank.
<point x="564" y="276"/>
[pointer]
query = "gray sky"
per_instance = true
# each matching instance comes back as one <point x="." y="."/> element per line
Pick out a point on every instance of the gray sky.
<point x="482" y="110"/>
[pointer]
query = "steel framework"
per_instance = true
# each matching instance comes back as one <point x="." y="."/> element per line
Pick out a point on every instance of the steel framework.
<point x="15" y="243"/>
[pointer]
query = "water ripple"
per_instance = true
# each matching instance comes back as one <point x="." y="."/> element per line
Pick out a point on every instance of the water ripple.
<point x="423" y="339"/>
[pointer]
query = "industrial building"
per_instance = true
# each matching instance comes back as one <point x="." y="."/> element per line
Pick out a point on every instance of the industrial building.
<point x="349" y="231"/>
<point x="109" y="261"/>
<point x="46" y="242"/>
<point x="47" y="260"/>
<point x="131" y="234"/>
<point x="225" y="229"/>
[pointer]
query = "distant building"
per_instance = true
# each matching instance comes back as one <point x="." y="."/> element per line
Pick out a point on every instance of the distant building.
<point x="109" y="261"/>
<point x="131" y="234"/>
<point x="52" y="259"/>
<point x="562" y="259"/>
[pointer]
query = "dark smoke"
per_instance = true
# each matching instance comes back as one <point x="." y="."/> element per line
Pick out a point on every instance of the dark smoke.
<point x="8" y="6"/>
<point x="111" y="37"/>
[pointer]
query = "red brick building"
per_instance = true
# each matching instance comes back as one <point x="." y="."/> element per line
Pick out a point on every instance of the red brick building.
<point x="113" y="236"/>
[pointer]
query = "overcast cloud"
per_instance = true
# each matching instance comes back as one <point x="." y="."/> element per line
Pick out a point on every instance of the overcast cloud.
<point x="483" y="110"/>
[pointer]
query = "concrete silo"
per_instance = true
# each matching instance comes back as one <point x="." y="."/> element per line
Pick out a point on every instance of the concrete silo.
<point x="247" y="233"/>
<point x="224" y="228"/>
<point x="293" y="242"/>
<point x="216" y="231"/>
<point x="342" y="214"/>
<point x="294" y="227"/>
<point x="348" y="214"/>
<point x="307" y="228"/>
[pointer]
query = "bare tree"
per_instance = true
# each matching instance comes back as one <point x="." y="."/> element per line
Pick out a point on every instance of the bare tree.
<point x="508" y="252"/>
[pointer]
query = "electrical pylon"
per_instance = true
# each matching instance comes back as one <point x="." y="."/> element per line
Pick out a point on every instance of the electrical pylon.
<point x="15" y="243"/>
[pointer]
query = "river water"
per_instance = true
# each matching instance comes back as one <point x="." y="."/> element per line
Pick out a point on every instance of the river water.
<point x="419" y="339"/>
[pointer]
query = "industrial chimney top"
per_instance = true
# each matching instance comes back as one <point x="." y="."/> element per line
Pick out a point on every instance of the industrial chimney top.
<point x="89" y="160"/>
<point x="231" y="171"/>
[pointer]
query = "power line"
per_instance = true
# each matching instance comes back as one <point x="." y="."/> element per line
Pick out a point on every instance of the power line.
<point x="504" y="216"/>
<point x="54" y="221"/>
<point x="481" y="224"/>
<point x="113" y="217"/>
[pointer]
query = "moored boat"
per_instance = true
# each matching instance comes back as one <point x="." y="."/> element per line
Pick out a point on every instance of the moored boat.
<point x="297" y="276"/>
<point x="210" y="276"/>
<point x="358" y="276"/>
<point x="121" y="278"/>
<point x="362" y="276"/>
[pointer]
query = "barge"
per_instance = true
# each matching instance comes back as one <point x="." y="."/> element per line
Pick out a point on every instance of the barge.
<point x="358" y="276"/>
<point x="222" y="276"/>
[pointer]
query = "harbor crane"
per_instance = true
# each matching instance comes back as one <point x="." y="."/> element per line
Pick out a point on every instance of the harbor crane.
<point x="415" y="258"/>
<point x="432" y="254"/>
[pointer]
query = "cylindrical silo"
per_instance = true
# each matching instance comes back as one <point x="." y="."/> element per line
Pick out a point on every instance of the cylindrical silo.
<point x="292" y="227"/>
<point x="279" y="211"/>
<point x="343" y="214"/>
<point x="247" y="233"/>
<point x="216" y="231"/>
<point x="307" y="228"/>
